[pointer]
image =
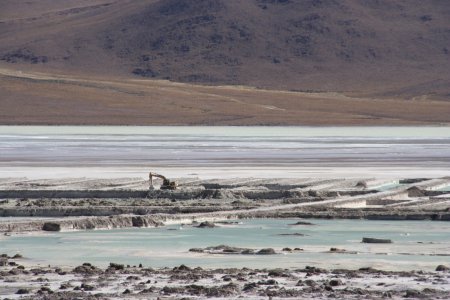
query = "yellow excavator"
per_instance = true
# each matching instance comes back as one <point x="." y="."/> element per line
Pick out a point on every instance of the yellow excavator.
<point x="166" y="185"/>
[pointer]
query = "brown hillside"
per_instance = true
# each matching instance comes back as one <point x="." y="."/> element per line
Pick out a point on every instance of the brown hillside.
<point x="372" y="47"/>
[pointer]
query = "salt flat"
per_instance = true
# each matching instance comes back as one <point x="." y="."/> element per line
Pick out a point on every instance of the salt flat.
<point x="224" y="152"/>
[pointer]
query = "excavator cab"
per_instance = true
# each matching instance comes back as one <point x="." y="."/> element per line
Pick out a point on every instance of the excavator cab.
<point x="166" y="185"/>
<point x="169" y="185"/>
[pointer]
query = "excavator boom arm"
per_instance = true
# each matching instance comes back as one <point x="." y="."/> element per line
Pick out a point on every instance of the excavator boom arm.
<point x="167" y="184"/>
<point x="150" y="175"/>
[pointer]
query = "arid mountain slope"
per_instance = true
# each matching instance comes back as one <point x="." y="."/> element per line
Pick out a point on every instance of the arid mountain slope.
<point x="377" y="48"/>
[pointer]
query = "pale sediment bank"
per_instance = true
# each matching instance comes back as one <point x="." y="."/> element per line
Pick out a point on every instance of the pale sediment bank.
<point x="154" y="220"/>
<point x="80" y="203"/>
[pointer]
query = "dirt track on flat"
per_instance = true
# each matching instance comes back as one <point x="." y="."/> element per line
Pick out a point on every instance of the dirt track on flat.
<point x="67" y="99"/>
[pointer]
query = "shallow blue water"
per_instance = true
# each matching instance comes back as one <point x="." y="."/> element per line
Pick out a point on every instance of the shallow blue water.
<point x="180" y="151"/>
<point x="219" y="146"/>
<point x="423" y="241"/>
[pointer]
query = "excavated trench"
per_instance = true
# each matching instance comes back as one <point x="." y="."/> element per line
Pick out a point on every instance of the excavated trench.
<point x="89" y="203"/>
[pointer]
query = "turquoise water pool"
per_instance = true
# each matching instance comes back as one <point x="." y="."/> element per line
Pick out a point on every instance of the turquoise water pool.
<point x="417" y="245"/>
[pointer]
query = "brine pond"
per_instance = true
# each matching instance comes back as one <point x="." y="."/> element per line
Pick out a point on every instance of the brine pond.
<point x="416" y="245"/>
<point x="226" y="151"/>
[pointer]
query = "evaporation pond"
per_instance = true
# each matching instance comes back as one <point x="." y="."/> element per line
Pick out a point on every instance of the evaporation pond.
<point x="416" y="244"/>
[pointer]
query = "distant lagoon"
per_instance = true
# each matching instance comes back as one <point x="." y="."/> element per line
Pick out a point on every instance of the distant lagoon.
<point x="102" y="151"/>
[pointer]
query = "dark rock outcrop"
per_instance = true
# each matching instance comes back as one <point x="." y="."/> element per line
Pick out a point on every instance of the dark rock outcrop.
<point x="301" y="223"/>
<point x="206" y="224"/>
<point x="114" y="266"/>
<point x="182" y="268"/>
<point x="3" y="261"/>
<point x="23" y="55"/>
<point x="277" y="273"/>
<point x="337" y="250"/>
<point x="291" y="234"/>
<point x="266" y="251"/>
<point x="87" y="287"/>
<point x="335" y="282"/>
<point x="138" y="222"/>
<point x="199" y="250"/>
<point x="442" y="268"/>
<point x="376" y="241"/>
<point x="415" y="192"/>
<point x="87" y="269"/>
<point x="224" y="249"/>
<point x="248" y="251"/>
<point x="48" y="226"/>
<point x="23" y="291"/>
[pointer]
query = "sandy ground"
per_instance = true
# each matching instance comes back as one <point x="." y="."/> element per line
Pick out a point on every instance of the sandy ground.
<point x="52" y="99"/>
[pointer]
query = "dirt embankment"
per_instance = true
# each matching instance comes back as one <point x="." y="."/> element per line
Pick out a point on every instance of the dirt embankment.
<point x="126" y="202"/>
